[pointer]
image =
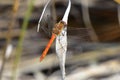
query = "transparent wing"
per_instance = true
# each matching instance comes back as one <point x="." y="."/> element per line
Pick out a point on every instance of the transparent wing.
<point x="45" y="24"/>
<point x="46" y="19"/>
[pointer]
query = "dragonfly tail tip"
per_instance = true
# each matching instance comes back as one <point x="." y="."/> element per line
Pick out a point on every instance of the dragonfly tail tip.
<point x="41" y="58"/>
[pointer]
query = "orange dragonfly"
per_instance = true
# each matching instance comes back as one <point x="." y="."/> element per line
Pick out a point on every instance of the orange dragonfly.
<point x="58" y="31"/>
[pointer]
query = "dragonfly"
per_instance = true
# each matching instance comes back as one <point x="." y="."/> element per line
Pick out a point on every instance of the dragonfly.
<point x="58" y="32"/>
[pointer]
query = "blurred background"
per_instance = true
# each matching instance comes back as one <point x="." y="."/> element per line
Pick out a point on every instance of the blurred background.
<point x="93" y="40"/>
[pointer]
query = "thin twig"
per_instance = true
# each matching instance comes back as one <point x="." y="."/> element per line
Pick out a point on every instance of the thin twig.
<point x="19" y="46"/>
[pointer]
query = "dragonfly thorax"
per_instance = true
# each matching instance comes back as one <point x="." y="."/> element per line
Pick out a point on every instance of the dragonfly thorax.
<point x="59" y="27"/>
